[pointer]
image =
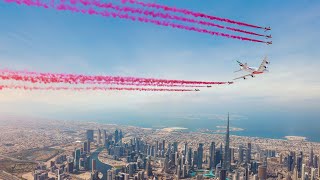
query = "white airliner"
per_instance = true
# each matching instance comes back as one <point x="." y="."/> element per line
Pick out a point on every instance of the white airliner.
<point x="252" y="70"/>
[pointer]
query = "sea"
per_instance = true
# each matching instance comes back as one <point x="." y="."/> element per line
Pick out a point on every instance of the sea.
<point x="267" y="127"/>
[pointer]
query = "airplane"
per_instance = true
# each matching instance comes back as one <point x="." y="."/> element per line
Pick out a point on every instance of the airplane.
<point x="209" y="86"/>
<point x="267" y="28"/>
<point x="270" y="42"/>
<point x="252" y="70"/>
<point x="230" y="82"/>
<point x="268" y="36"/>
<point x="197" y="89"/>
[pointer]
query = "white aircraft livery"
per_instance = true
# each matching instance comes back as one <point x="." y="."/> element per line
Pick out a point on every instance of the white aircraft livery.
<point x="253" y="70"/>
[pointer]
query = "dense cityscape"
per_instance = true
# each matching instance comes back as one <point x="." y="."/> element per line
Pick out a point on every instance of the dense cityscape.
<point x="75" y="150"/>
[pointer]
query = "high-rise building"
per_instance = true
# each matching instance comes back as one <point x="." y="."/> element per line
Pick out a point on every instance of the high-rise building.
<point x="295" y="173"/>
<point x="99" y="137"/>
<point x="290" y="162"/>
<point x="176" y="163"/>
<point x="120" y="135"/>
<point x="85" y="146"/>
<point x="319" y="167"/>
<point x="299" y="164"/>
<point x="311" y="157"/>
<point x="109" y="174"/>
<point x="212" y="153"/>
<point x="178" y="172"/>
<point x="226" y="164"/>
<point x="248" y="154"/>
<point x="200" y="156"/>
<point x="77" y="154"/>
<point x="316" y="161"/>
<point x="231" y="155"/>
<point x="70" y="166"/>
<point x="88" y="147"/>
<point x="116" y="136"/>
<point x="163" y="145"/>
<point x="157" y="148"/>
<point x="313" y="174"/>
<point x="90" y="135"/>
<point x="189" y="156"/>
<point x="93" y="165"/>
<point x="240" y="154"/>
<point x="104" y="137"/>
<point x="223" y="174"/>
<point x="148" y="167"/>
<point x="236" y="175"/>
<point x="303" y="172"/>
<point x="185" y="148"/>
<point x="175" y="147"/>
<point x="184" y="171"/>
<point x="262" y="172"/>
<point x="217" y="158"/>
<point x="255" y="177"/>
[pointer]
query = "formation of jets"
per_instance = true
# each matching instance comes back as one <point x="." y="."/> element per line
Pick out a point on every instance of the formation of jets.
<point x="253" y="70"/>
<point x="267" y="28"/>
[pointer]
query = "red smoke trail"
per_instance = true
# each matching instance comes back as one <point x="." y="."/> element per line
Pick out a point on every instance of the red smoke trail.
<point x="2" y="87"/>
<point x="188" y="12"/>
<point x="35" y="77"/>
<point x="157" y="14"/>
<point x="63" y="7"/>
<point x="47" y="80"/>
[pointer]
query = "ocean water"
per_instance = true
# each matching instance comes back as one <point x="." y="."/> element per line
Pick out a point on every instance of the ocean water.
<point x="267" y="127"/>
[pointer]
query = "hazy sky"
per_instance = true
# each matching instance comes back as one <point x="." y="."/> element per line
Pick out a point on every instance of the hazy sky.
<point x="51" y="41"/>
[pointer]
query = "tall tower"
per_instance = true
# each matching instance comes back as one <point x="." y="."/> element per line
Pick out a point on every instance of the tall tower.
<point x="319" y="167"/>
<point x="311" y="157"/>
<point x="200" y="156"/>
<point x="226" y="162"/>
<point x="90" y="135"/>
<point x="212" y="153"/>
<point x="248" y="155"/>
<point x="116" y="136"/>
<point x="99" y="137"/>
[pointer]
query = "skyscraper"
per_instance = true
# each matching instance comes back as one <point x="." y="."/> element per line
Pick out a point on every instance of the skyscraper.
<point x="303" y="172"/>
<point x="157" y="148"/>
<point x="262" y="172"/>
<point x="212" y="153"/>
<point x="93" y="165"/>
<point x="163" y="145"/>
<point x="88" y="146"/>
<point x="185" y="148"/>
<point x="175" y="147"/>
<point x="200" y="156"/>
<point x="223" y="174"/>
<point x="99" y="136"/>
<point x="248" y="154"/>
<point x="189" y="156"/>
<point x="240" y="158"/>
<point x="311" y="157"/>
<point x="77" y="158"/>
<point x="116" y="136"/>
<point x="319" y="167"/>
<point x="226" y="164"/>
<point x="85" y="146"/>
<point x="120" y="135"/>
<point x="104" y="137"/>
<point x="90" y="135"/>
<point x="313" y="174"/>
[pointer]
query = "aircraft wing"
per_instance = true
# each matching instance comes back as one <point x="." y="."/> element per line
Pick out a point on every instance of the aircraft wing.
<point x="242" y="77"/>
<point x="263" y="65"/>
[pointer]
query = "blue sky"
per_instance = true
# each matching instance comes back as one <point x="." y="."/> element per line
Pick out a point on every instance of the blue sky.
<point x="48" y="40"/>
